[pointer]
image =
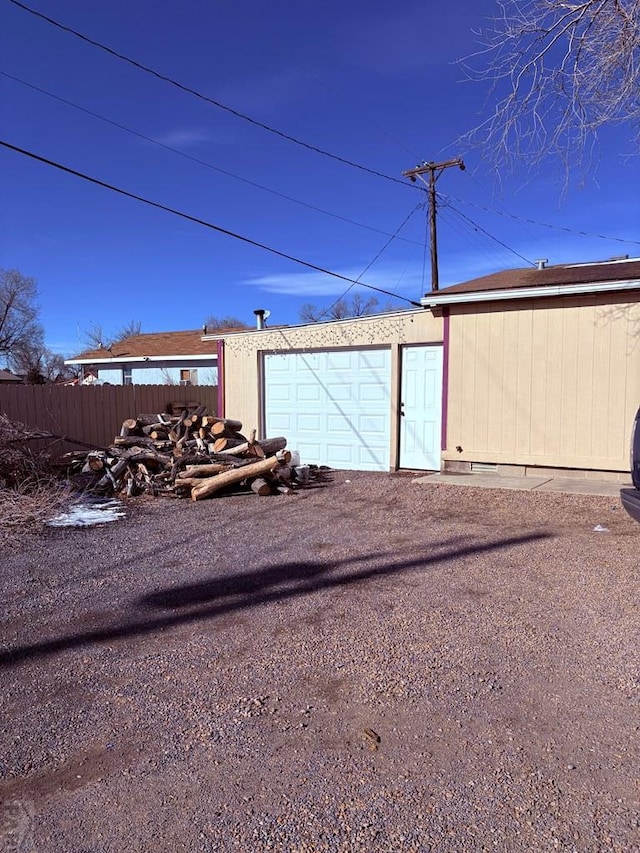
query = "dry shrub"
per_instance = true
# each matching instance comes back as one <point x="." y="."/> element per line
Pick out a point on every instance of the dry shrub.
<point x="30" y="491"/>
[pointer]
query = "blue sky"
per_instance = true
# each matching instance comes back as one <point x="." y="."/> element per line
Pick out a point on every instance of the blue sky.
<point x="375" y="83"/>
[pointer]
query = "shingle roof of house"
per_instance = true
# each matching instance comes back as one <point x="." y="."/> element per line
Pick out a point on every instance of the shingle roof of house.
<point x="154" y="344"/>
<point x="8" y="376"/>
<point x="558" y="275"/>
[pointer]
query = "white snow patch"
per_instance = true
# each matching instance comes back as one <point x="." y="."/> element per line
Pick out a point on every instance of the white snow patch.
<point x="88" y="511"/>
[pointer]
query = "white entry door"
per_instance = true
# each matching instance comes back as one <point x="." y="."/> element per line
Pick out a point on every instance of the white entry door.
<point x="333" y="406"/>
<point x="421" y="407"/>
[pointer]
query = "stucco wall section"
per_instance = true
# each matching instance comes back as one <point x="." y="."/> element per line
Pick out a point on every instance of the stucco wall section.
<point x="551" y="382"/>
<point x="243" y="351"/>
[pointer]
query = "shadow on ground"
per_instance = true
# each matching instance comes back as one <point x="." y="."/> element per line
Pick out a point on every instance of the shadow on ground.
<point x="244" y="590"/>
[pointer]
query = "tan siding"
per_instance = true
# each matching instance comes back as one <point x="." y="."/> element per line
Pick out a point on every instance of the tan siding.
<point x="539" y="380"/>
<point x="481" y="384"/>
<point x="495" y="367"/>
<point x="523" y="372"/>
<point x="560" y="390"/>
<point x="243" y="352"/>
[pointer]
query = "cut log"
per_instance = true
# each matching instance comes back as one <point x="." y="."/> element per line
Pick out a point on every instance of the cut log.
<point x="202" y="470"/>
<point x="150" y="420"/>
<point x="132" y="441"/>
<point x="178" y="429"/>
<point x="236" y="475"/>
<point x="272" y="445"/>
<point x="223" y="443"/>
<point x="268" y="446"/>
<point x="209" y="420"/>
<point x="96" y="463"/>
<point x="261" y="487"/>
<point x="112" y="475"/>
<point x="145" y="454"/>
<point x="188" y="483"/>
<point x="238" y="449"/>
<point x="221" y="425"/>
<point x="129" y="427"/>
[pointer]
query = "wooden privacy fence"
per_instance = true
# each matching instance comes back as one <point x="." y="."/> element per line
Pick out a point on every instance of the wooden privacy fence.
<point x="94" y="413"/>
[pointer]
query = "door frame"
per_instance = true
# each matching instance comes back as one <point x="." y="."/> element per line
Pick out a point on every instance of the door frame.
<point x="442" y="397"/>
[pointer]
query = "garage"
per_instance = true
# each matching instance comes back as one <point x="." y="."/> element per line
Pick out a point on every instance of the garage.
<point x="332" y="405"/>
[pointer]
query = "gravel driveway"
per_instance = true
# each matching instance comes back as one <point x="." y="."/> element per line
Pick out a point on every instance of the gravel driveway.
<point x="374" y="665"/>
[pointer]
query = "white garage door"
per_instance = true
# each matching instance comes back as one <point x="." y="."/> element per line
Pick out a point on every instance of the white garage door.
<point x="334" y="407"/>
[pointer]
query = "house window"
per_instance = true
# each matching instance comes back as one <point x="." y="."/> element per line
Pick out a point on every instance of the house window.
<point x="126" y="376"/>
<point x="188" y="377"/>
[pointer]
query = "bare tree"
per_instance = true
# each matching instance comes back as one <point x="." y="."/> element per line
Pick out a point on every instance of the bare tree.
<point x="357" y="306"/>
<point x="560" y="71"/>
<point x="129" y="330"/>
<point x="216" y="324"/>
<point x="18" y="312"/>
<point x="96" y="338"/>
<point x="38" y="364"/>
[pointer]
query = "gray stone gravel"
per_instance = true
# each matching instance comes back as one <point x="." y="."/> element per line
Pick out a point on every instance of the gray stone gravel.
<point x="202" y="677"/>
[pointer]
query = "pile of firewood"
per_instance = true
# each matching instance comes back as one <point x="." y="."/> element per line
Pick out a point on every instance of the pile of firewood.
<point x="192" y="454"/>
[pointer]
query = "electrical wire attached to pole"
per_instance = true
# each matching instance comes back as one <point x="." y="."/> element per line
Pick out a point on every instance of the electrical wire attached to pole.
<point x="199" y="221"/>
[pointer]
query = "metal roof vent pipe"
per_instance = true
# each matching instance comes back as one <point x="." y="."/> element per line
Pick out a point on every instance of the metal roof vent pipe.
<point x="540" y="263"/>
<point x="261" y="314"/>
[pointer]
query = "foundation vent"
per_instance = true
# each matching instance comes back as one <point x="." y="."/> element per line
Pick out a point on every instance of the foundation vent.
<point x="484" y="468"/>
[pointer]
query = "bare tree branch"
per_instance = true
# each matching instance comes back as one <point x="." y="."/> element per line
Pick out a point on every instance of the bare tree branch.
<point x="18" y="311"/>
<point x="95" y="337"/>
<point x="560" y="72"/>
<point x="357" y="306"/>
<point x="214" y="324"/>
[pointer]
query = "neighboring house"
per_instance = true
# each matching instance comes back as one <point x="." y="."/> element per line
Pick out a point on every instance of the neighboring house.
<point x="160" y="358"/>
<point x="524" y="369"/>
<point x="7" y="377"/>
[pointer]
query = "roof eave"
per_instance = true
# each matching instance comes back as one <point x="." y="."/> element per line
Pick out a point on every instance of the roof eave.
<point x="442" y="298"/>
<point x="116" y="360"/>
<point x="342" y="320"/>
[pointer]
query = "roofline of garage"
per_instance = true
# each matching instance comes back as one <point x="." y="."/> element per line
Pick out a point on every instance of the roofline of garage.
<point x="385" y="314"/>
<point x="444" y="298"/>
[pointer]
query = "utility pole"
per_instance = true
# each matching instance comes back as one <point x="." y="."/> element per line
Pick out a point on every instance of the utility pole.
<point x="434" y="170"/>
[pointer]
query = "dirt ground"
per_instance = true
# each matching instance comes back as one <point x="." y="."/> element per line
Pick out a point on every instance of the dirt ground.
<point x="373" y="665"/>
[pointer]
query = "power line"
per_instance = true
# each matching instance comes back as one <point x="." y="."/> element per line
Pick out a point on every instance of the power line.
<point x="197" y="159"/>
<point x="470" y="236"/>
<point x="184" y="88"/>
<point x="198" y="221"/>
<point x="541" y="224"/>
<point x="488" y="234"/>
<point x="372" y="262"/>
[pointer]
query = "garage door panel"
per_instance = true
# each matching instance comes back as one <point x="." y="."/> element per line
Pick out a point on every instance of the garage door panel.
<point x="308" y="392"/>
<point x="281" y="424"/>
<point x="370" y="392"/>
<point x="339" y="424"/>
<point x="372" y="424"/>
<point x="372" y="359"/>
<point x="337" y="403"/>
<point x="280" y="364"/>
<point x="342" y="454"/>
<point x="308" y="450"/>
<point x="339" y="361"/>
<point x="308" y="422"/>
<point x="281" y="393"/>
<point x="339" y="391"/>
<point x="374" y="457"/>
